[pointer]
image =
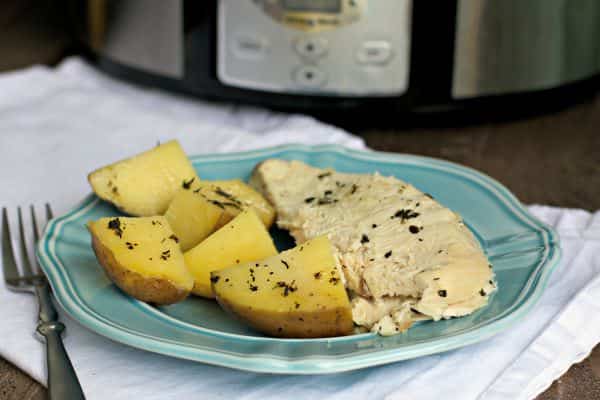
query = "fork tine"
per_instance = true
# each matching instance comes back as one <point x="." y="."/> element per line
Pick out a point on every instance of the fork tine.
<point x="49" y="215"/>
<point x="11" y="273"/>
<point x="24" y="255"/>
<point x="36" y="237"/>
<point x="36" y="234"/>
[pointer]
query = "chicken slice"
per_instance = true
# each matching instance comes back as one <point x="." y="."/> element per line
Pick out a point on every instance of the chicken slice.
<point x="403" y="256"/>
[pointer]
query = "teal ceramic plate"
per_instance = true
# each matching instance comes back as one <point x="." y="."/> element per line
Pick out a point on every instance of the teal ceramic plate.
<point x="523" y="251"/>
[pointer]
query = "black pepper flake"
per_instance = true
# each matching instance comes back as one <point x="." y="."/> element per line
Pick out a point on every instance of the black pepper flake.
<point x="271" y="273"/>
<point x="428" y="195"/>
<point x="226" y="279"/>
<point x="296" y="304"/>
<point x="215" y="278"/>
<point x="237" y="261"/>
<point x="364" y="239"/>
<point x="131" y="245"/>
<point x="490" y="266"/>
<point x="418" y="204"/>
<point x="440" y="251"/>
<point x="115" y="190"/>
<point x="326" y="200"/>
<point x="187" y="184"/>
<point x="388" y="254"/>
<point x="420" y="239"/>
<point x="374" y="226"/>
<point x="405" y="214"/>
<point x="317" y="275"/>
<point x="154" y="222"/>
<point x="253" y="288"/>
<point x="150" y="258"/>
<point x="334" y="280"/>
<point x="436" y="279"/>
<point x="309" y="200"/>
<point x="413" y="229"/>
<point x="231" y="204"/>
<point x="174" y="238"/>
<point x="442" y="293"/>
<point x="328" y="193"/>
<point x="287" y="287"/>
<point x="287" y="266"/>
<point x="354" y="188"/>
<point x="228" y="196"/>
<point x="324" y="175"/>
<point x="217" y="203"/>
<point x="491" y="282"/>
<point x="165" y="254"/>
<point x="482" y="292"/>
<point x="115" y="225"/>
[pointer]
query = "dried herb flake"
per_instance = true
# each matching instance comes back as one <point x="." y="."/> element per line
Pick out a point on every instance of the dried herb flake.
<point x="115" y="225"/>
<point x="187" y="184"/>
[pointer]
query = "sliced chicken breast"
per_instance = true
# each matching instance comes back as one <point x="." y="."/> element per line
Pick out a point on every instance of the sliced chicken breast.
<point x="403" y="256"/>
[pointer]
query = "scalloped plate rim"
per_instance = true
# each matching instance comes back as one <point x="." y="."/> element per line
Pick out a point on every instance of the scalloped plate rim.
<point x="311" y="364"/>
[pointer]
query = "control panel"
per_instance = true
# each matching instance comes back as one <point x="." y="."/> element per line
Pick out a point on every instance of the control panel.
<point x="318" y="47"/>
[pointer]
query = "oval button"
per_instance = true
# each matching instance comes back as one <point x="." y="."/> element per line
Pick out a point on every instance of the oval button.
<point x="250" y="46"/>
<point x="310" y="77"/>
<point x="374" y="52"/>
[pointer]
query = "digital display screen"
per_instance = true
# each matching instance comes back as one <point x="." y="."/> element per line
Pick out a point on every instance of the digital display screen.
<point x="329" y="6"/>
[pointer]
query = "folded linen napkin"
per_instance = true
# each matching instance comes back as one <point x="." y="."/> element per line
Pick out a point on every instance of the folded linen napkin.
<point x="57" y="124"/>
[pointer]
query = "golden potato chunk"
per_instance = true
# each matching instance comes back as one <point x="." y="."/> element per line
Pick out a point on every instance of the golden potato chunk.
<point x="297" y="293"/>
<point x="234" y="196"/>
<point x="243" y="239"/>
<point x="142" y="257"/>
<point x="145" y="184"/>
<point x="192" y="217"/>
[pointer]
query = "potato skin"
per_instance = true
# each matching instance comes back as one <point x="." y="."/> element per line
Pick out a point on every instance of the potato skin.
<point x="296" y="324"/>
<point x="150" y="290"/>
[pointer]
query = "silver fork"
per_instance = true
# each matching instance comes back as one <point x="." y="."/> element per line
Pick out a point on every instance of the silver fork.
<point x="62" y="380"/>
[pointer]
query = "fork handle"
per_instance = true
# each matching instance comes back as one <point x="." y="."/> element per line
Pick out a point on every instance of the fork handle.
<point x="62" y="380"/>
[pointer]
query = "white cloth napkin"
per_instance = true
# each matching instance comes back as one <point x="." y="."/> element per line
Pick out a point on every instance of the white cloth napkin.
<point x="57" y="124"/>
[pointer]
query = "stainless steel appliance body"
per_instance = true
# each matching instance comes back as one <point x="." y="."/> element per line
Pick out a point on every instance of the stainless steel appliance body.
<point x="407" y="55"/>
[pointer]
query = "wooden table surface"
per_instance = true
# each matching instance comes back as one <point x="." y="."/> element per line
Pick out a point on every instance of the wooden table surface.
<point x="552" y="159"/>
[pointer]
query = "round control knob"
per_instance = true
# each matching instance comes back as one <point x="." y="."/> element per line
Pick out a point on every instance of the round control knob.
<point x="311" y="47"/>
<point x="310" y="76"/>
